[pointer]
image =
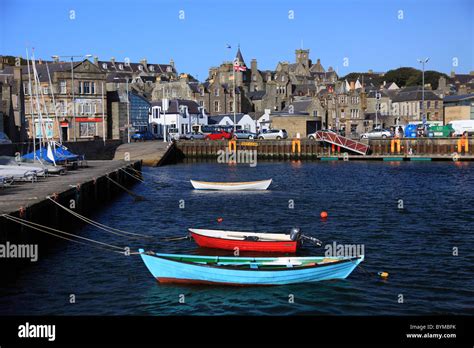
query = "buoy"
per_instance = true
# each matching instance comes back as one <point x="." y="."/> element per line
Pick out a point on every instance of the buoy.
<point x="324" y="215"/>
<point x="383" y="274"/>
<point x="219" y="220"/>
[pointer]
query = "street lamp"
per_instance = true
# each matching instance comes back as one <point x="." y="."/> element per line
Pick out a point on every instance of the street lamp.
<point x="423" y="61"/>
<point x="72" y="85"/>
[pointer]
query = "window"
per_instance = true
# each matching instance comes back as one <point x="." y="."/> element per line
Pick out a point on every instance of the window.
<point x="201" y="103"/>
<point x="87" y="129"/>
<point x="216" y="106"/>
<point x="120" y="66"/>
<point x="26" y="88"/>
<point x="92" y="87"/>
<point x="140" y="68"/>
<point x="45" y="90"/>
<point x="104" y="66"/>
<point x="62" y="87"/>
<point x="88" y="108"/>
<point x="428" y="104"/>
<point x="151" y="68"/>
<point x="436" y="104"/>
<point x="62" y="107"/>
<point x="85" y="88"/>
<point x="231" y="106"/>
<point x="202" y="92"/>
<point x="283" y="78"/>
<point x="216" y="92"/>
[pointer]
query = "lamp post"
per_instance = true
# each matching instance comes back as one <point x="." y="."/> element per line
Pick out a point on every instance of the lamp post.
<point x="423" y="61"/>
<point x="72" y="84"/>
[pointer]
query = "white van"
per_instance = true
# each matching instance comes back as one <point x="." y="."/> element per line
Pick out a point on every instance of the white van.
<point x="463" y="126"/>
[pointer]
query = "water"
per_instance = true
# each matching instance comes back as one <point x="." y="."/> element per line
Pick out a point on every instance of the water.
<point x="414" y="245"/>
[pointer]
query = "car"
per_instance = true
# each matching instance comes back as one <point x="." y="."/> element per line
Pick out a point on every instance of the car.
<point x="143" y="135"/>
<point x="219" y="135"/>
<point x="273" y="134"/>
<point x="194" y="135"/>
<point x="244" y="134"/>
<point x="376" y="133"/>
<point x="4" y="139"/>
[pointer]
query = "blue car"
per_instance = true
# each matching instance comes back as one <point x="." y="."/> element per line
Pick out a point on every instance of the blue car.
<point x="143" y="135"/>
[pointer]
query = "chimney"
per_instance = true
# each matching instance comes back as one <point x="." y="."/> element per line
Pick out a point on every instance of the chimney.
<point x="253" y="65"/>
<point x="17" y="73"/>
<point x="144" y="63"/>
<point x="371" y="71"/>
<point x="96" y="61"/>
<point x="453" y="73"/>
<point x="112" y="60"/>
<point x="172" y="62"/>
<point x="471" y="73"/>
<point x="40" y="61"/>
<point x="56" y="59"/>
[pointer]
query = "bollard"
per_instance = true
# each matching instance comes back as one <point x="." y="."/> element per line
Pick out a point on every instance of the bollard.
<point x="232" y="145"/>
<point x="296" y="143"/>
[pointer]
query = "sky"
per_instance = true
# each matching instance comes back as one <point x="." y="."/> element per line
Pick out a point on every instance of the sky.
<point x="349" y="35"/>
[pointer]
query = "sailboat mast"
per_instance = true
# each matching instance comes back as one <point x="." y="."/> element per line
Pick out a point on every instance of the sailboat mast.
<point x="31" y="106"/>
<point x="38" y="107"/>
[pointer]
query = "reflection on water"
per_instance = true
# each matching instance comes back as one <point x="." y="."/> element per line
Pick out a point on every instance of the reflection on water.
<point x="414" y="245"/>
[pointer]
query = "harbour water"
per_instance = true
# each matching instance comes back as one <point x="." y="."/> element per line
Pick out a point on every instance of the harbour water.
<point x="415" y="245"/>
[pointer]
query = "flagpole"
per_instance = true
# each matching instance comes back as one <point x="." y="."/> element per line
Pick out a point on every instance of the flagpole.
<point x="233" y="94"/>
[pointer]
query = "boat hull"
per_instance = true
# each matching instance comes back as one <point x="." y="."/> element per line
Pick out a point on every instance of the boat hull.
<point x="245" y="245"/>
<point x="171" y="271"/>
<point x="231" y="186"/>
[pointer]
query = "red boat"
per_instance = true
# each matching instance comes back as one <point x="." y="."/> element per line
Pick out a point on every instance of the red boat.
<point x="245" y="241"/>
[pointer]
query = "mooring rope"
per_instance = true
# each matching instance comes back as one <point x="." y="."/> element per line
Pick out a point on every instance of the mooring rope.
<point x="43" y="228"/>
<point x="131" y="193"/>
<point x="106" y="228"/>
<point x="133" y="176"/>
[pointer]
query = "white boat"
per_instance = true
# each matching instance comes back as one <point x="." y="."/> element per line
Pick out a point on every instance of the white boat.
<point x="231" y="186"/>
<point x="19" y="173"/>
<point x="42" y="167"/>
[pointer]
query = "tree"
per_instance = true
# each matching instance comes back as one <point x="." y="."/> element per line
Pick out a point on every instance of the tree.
<point x="402" y="75"/>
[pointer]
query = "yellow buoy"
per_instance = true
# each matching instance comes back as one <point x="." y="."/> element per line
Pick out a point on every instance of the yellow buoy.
<point x="383" y="274"/>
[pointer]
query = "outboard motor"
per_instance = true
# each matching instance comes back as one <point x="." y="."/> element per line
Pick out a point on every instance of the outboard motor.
<point x="295" y="234"/>
<point x="313" y="240"/>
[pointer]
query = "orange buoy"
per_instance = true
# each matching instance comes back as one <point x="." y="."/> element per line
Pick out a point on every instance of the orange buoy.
<point x="219" y="220"/>
<point x="324" y="215"/>
<point x="383" y="275"/>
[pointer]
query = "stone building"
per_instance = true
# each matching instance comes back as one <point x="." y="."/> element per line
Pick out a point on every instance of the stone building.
<point x="12" y="112"/>
<point x="407" y="105"/>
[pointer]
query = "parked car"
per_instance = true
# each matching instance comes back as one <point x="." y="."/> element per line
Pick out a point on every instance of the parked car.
<point x="173" y="134"/>
<point x="218" y="135"/>
<point x="244" y="134"/>
<point x="194" y="135"/>
<point x="376" y="133"/>
<point x="4" y="139"/>
<point x="273" y="134"/>
<point x="143" y="135"/>
<point x="462" y="126"/>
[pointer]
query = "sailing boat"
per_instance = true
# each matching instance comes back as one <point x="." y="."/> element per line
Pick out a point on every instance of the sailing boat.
<point x="49" y="150"/>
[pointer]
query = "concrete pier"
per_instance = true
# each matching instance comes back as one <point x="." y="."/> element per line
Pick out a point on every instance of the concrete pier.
<point x="88" y="189"/>
<point x="151" y="153"/>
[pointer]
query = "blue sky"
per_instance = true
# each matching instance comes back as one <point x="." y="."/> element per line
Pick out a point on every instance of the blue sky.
<point x="368" y="33"/>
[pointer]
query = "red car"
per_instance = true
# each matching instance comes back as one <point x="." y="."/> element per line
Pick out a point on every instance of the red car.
<point x="219" y="135"/>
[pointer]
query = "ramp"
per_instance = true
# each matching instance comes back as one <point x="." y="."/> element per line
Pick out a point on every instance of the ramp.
<point x="338" y="140"/>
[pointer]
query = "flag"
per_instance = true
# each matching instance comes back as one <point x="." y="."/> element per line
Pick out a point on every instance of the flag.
<point x="238" y="67"/>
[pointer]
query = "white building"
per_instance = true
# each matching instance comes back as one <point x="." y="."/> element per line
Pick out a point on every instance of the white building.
<point x="243" y="121"/>
<point x="178" y="114"/>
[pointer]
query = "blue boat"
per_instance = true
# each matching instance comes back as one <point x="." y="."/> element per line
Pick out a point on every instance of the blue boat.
<point x="246" y="271"/>
<point x="59" y="154"/>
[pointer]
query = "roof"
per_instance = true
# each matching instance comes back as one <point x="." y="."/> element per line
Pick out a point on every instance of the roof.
<point x="299" y="106"/>
<point x="218" y="118"/>
<point x="256" y="95"/>
<point x="239" y="56"/>
<point x="174" y="104"/>
<point x="109" y="66"/>
<point x="42" y="69"/>
<point x="410" y="95"/>
<point x="463" y="78"/>
<point x="455" y="98"/>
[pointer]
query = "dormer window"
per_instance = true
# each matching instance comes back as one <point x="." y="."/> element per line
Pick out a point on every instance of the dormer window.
<point x="140" y="67"/>
<point x="169" y="69"/>
<point x="104" y="66"/>
<point x="151" y="68"/>
<point x="120" y="66"/>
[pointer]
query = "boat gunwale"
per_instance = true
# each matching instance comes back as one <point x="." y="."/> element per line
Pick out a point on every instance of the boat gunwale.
<point x="249" y="233"/>
<point x="236" y="183"/>
<point x="294" y="268"/>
